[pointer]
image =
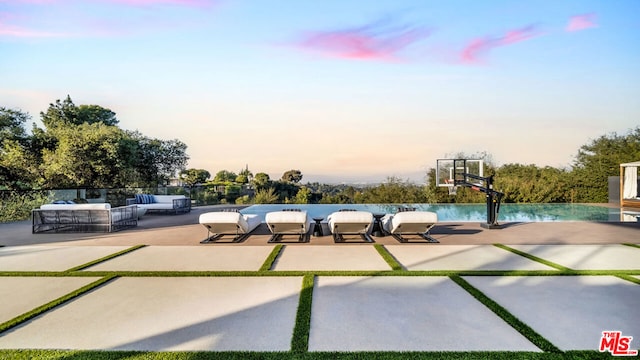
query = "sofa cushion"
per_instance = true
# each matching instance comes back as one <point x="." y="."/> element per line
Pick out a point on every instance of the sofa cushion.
<point x="98" y="206"/>
<point x="167" y="198"/>
<point x="145" y="199"/>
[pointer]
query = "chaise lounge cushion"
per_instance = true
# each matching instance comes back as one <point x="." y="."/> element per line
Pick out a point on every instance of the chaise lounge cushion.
<point x="350" y="221"/>
<point x="287" y="222"/>
<point x="409" y="222"/>
<point x="229" y="222"/>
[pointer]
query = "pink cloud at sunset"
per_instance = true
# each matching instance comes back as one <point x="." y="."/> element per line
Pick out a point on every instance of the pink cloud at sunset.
<point x="198" y="3"/>
<point x="472" y="53"/>
<point x="16" y="31"/>
<point x="370" y="42"/>
<point x="581" y="22"/>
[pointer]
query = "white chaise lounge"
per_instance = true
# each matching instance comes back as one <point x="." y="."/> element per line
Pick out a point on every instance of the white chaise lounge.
<point x="223" y="223"/>
<point x="350" y="222"/>
<point x="410" y="222"/>
<point x="288" y="222"/>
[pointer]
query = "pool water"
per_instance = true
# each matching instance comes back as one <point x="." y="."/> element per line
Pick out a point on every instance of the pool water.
<point x="463" y="212"/>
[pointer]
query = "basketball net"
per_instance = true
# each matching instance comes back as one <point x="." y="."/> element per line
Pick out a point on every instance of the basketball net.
<point x="452" y="188"/>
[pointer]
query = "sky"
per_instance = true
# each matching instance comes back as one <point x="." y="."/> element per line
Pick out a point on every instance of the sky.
<point x="342" y="90"/>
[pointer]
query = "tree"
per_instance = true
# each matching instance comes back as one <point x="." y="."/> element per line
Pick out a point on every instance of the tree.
<point x="157" y="160"/>
<point x="265" y="196"/>
<point x="12" y="124"/>
<point x="241" y="179"/>
<point x="194" y="176"/>
<point x="261" y="180"/>
<point x="246" y="174"/>
<point x="600" y="159"/>
<point x="93" y="113"/>
<point x="17" y="169"/>
<point x="67" y="113"/>
<point x="87" y="155"/>
<point x="59" y="113"/>
<point x="531" y="184"/>
<point x="293" y="176"/>
<point x="17" y="163"/>
<point x="225" y="176"/>
<point x="303" y="195"/>
<point x="394" y="190"/>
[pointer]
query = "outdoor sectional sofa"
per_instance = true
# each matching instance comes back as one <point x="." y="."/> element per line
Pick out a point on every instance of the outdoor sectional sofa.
<point x="83" y="218"/>
<point x="176" y="204"/>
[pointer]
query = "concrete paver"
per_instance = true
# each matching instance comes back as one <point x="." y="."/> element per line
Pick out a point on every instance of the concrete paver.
<point x="22" y="294"/>
<point x="252" y="313"/>
<point x="51" y="258"/>
<point x="342" y="257"/>
<point x="188" y="258"/>
<point x="587" y="257"/>
<point x="461" y="257"/>
<point x="569" y="311"/>
<point x="404" y="314"/>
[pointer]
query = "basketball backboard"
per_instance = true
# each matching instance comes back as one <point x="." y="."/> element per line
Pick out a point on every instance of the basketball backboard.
<point x="450" y="170"/>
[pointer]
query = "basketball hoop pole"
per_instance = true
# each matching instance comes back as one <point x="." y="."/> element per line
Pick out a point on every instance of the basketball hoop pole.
<point x="493" y="197"/>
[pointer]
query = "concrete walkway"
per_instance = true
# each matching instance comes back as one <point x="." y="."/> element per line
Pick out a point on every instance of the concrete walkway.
<point x="349" y="313"/>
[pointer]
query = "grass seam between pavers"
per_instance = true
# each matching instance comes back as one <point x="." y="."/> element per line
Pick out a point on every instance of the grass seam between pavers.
<point x="53" y="304"/>
<point x="302" y="326"/>
<point x="524" y="329"/>
<point x="388" y="257"/>
<point x="273" y="255"/>
<point x="629" y="278"/>
<point x="105" y="258"/>
<point x="533" y="257"/>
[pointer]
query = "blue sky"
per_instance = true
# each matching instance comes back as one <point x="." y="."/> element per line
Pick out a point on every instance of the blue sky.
<point x="341" y="90"/>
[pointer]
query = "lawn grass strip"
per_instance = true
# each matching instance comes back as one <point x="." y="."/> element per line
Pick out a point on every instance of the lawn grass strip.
<point x="268" y="262"/>
<point x="524" y="329"/>
<point x="632" y="245"/>
<point x="103" y="259"/>
<point x="390" y="259"/>
<point x="533" y="257"/>
<point x="300" y="337"/>
<point x="52" y="304"/>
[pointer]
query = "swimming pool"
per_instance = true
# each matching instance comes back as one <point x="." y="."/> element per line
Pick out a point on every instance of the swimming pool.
<point x="463" y="212"/>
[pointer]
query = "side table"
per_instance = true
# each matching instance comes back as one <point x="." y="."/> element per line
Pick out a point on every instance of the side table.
<point x="376" y="230"/>
<point x="317" y="227"/>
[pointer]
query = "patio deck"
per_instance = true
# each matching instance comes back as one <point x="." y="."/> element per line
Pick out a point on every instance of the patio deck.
<point x="223" y="301"/>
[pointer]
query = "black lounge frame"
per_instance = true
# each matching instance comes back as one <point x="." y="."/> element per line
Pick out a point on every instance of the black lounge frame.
<point x="424" y="235"/>
<point x="213" y="237"/>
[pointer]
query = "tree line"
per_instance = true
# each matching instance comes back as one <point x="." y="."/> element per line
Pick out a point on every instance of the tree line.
<point x="585" y="181"/>
<point x="82" y="146"/>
